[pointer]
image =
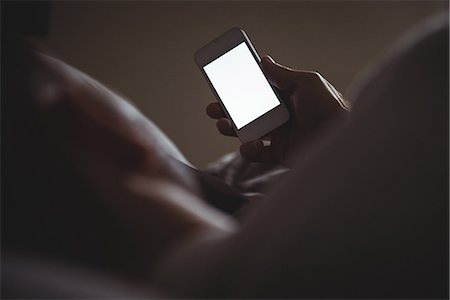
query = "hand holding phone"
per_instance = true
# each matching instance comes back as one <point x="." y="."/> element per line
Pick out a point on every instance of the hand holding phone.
<point x="313" y="103"/>
<point x="231" y="66"/>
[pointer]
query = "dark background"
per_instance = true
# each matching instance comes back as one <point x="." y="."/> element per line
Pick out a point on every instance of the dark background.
<point x="145" y="50"/>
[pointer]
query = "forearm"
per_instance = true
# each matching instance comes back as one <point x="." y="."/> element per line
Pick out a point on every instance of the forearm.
<point x="161" y="216"/>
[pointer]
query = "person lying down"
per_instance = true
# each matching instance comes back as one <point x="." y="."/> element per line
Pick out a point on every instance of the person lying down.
<point x="351" y="203"/>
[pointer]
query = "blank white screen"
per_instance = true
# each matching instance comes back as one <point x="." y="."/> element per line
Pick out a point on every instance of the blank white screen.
<point x="241" y="85"/>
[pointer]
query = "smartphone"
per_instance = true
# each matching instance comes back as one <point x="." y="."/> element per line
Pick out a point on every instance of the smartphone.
<point x="231" y="67"/>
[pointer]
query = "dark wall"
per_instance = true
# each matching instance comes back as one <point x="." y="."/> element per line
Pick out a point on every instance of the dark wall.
<point x="144" y="49"/>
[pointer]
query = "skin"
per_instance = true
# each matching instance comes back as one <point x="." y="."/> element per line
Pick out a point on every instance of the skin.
<point x="124" y="159"/>
<point x="313" y="103"/>
<point x="121" y="156"/>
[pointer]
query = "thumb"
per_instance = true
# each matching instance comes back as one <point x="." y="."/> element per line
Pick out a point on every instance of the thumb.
<point x="282" y="77"/>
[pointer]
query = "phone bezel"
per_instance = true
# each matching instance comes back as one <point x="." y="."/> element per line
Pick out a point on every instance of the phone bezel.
<point x="265" y="123"/>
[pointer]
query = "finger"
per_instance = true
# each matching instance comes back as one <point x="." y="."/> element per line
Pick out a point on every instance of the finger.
<point x="214" y="111"/>
<point x="224" y="126"/>
<point x="282" y="77"/>
<point x="257" y="151"/>
<point x="252" y="150"/>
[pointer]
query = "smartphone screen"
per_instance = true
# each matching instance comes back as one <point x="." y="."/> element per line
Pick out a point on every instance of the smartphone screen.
<point x="241" y="85"/>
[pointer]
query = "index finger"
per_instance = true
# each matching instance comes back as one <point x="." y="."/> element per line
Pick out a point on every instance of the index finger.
<point x="215" y="111"/>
